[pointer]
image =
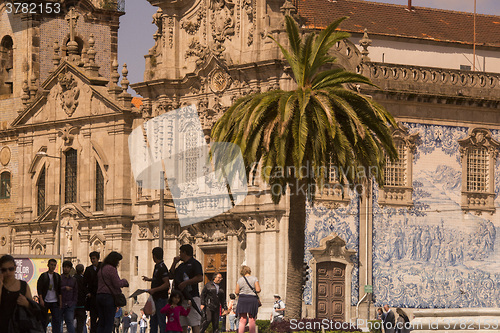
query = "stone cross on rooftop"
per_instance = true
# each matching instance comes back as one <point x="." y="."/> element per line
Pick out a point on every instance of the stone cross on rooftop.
<point x="72" y="18"/>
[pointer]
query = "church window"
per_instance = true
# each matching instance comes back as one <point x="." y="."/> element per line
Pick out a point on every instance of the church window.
<point x="99" y="188"/>
<point x="70" y="184"/>
<point x="478" y="153"/>
<point x="477" y="170"/>
<point x="6" y="65"/>
<point x="332" y="172"/>
<point x="332" y="194"/>
<point x="40" y="192"/>
<point x="5" y="185"/>
<point x="397" y="190"/>
<point x="395" y="172"/>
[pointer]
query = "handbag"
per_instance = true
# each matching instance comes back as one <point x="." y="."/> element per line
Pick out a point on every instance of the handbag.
<point x="119" y="299"/>
<point x="27" y="319"/>
<point x="253" y="289"/>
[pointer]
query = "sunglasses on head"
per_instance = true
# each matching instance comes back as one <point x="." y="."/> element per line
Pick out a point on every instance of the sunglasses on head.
<point x="3" y="269"/>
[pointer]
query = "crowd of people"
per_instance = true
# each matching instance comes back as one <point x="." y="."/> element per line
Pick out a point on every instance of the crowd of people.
<point x="97" y="290"/>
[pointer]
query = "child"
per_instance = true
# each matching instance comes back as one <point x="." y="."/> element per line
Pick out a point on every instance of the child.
<point x="174" y="310"/>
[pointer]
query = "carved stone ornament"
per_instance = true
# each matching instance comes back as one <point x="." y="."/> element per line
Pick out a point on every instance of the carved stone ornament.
<point x="195" y="49"/>
<point x="223" y="23"/>
<point x="156" y="232"/>
<point x="219" y="80"/>
<point x="248" y="7"/>
<point x="270" y="223"/>
<point x="5" y="155"/>
<point x="143" y="232"/>
<point x="192" y="26"/>
<point x="185" y="237"/>
<point x="242" y="236"/>
<point x="163" y="106"/>
<point x="249" y="223"/>
<point x="70" y="93"/>
<point x="68" y="134"/>
<point x="170" y="230"/>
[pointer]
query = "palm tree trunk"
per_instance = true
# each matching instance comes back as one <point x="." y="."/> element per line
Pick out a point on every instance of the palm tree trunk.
<point x="296" y="239"/>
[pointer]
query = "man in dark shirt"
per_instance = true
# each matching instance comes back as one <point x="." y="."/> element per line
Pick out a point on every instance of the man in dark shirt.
<point x="187" y="276"/>
<point x="90" y="278"/>
<point x="126" y="322"/>
<point x="390" y="320"/>
<point x="212" y="298"/>
<point x="49" y="294"/>
<point x="69" y="296"/>
<point x="159" y="290"/>
<point x="133" y="321"/>
<point x="80" y="313"/>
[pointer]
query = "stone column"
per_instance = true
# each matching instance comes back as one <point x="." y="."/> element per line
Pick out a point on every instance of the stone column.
<point x="269" y="261"/>
<point x="233" y="266"/>
<point x="365" y="251"/>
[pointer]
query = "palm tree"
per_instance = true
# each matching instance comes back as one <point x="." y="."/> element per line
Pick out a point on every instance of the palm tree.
<point x="318" y="123"/>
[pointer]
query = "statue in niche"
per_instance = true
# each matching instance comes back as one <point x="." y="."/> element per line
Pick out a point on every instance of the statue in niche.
<point x="67" y="223"/>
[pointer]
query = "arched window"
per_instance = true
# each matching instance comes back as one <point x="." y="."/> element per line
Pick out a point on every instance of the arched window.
<point x="6" y="65"/>
<point x="40" y="192"/>
<point x="99" y="188"/>
<point x="5" y="185"/>
<point x="70" y="183"/>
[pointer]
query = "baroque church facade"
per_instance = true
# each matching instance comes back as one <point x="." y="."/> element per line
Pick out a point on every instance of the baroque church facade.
<point x="425" y="241"/>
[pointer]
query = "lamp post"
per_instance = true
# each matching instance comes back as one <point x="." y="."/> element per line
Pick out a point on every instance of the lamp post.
<point x="44" y="154"/>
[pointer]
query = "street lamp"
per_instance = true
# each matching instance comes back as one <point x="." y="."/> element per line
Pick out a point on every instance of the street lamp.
<point x="44" y="154"/>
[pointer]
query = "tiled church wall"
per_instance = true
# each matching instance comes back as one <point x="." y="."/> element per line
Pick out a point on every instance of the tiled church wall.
<point x="434" y="255"/>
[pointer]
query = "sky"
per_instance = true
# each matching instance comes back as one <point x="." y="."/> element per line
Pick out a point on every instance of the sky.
<point x="135" y="36"/>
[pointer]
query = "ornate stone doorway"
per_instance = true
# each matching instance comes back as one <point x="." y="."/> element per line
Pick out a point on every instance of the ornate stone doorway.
<point x="215" y="261"/>
<point x="332" y="266"/>
<point x="330" y="290"/>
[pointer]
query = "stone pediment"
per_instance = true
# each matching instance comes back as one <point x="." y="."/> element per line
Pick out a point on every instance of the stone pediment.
<point x="332" y="247"/>
<point x="76" y="211"/>
<point x="68" y="93"/>
<point x="49" y="214"/>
